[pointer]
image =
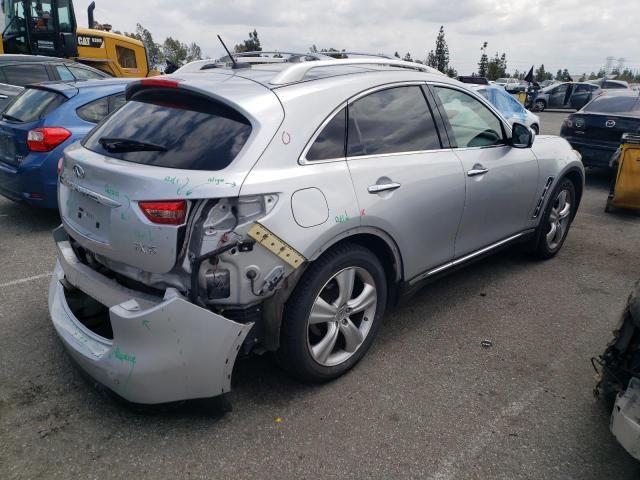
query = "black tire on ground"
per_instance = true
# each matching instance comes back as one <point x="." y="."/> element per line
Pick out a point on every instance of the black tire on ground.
<point x="294" y="355"/>
<point x="539" y="106"/>
<point x="541" y="247"/>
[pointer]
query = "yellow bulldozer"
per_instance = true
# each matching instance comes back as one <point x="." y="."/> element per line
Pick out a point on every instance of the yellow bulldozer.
<point x="48" y="27"/>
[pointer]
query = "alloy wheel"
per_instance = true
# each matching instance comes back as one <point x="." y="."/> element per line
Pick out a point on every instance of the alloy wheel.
<point x="341" y="316"/>
<point x="559" y="219"/>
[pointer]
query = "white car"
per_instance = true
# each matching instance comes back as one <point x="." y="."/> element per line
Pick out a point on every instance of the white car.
<point x="512" y="110"/>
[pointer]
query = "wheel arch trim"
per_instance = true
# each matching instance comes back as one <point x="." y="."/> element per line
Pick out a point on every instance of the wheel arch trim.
<point x="365" y="230"/>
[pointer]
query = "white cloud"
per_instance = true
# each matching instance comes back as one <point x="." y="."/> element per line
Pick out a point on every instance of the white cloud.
<point x="573" y="34"/>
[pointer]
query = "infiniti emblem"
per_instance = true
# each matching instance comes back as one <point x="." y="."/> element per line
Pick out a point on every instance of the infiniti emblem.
<point x="79" y="171"/>
<point x="610" y="123"/>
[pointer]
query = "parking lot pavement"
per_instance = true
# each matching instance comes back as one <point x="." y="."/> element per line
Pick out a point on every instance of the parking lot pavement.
<point x="428" y="401"/>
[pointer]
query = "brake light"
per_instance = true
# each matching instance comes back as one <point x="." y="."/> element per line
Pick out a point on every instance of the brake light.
<point x="46" y="139"/>
<point x="159" y="82"/>
<point x="169" y="212"/>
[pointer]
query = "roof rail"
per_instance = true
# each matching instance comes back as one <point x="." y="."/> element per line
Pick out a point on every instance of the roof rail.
<point x="272" y="54"/>
<point x="297" y="71"/>
<point x="359" y="54"/>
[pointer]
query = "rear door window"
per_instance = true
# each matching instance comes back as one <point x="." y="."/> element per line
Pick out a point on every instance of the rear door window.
<point x="165" y="128"/>
<point x="64" y="73"/>
<point x="34" y="104"/>
<point x="615" y="105"/>
<point x="84" y="73"/>
<point x="22" y="75"/>
<point x="395" y="120"/>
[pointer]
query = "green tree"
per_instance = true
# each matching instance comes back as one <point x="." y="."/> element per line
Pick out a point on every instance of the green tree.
<point x="174" y="52"/>
<point x="407" y="58"/>
<point x="541" y="74"/>
<point x="592" y="76"/>
<point x="250" y="45"/>
<point x="397" y="55"/>
<point x="497" y="67"/>
<point x="440" y="57"/>
<point x="154" y="50"/>
<point x="583" y="78"/>
<point x="194" y="52"/>
<point x="483" y="64"/>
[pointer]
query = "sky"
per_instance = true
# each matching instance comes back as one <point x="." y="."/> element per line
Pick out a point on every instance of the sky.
<point x="573" y="34"/>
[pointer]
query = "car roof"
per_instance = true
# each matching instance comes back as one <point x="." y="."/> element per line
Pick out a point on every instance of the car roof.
<point x="277" y="75"/>
<point x="16" y="58"/>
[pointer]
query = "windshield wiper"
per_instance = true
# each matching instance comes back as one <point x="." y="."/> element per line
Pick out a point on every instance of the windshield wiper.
<point x="11" y="118"/>
<point x="115" y="145"/>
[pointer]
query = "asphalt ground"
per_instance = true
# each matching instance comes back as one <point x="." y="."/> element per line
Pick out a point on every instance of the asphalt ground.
<point x="428" y="401"/>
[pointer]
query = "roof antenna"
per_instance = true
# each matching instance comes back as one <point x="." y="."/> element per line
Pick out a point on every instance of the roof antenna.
<point x="236" y="65"/>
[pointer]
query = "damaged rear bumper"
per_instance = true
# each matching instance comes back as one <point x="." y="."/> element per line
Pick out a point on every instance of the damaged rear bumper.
<point x="162" y="350"/>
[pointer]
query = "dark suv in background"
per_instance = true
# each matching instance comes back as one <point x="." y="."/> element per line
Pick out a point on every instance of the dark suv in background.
<point x="16" y="71"/>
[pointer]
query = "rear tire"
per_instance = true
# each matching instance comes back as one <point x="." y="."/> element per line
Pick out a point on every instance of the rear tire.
<point x="539" y="106"/>
<point x="556" y="220"/>
<point x="333" y="314"/>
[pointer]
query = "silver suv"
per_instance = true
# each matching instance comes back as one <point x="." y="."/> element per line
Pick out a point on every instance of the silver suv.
<point x="284" y="208"/>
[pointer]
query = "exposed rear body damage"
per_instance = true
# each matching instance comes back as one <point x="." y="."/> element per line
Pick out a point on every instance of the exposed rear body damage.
<point x="225" y="208"/>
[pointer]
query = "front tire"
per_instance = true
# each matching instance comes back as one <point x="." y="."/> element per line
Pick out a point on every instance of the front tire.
<point x="556" y="221"/>
<point x="539" y="106"/>
<point x="333" y="314"/>
<point x="535" y="128"/>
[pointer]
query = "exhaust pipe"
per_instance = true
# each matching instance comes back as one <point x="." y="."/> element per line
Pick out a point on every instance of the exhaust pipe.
<point x="92" y="7"/>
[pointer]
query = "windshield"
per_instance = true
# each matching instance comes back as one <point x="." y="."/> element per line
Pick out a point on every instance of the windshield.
<point x="629" y="105"/>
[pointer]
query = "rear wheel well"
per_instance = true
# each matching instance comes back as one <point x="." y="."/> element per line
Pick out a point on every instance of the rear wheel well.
<point x="384" y="253"/>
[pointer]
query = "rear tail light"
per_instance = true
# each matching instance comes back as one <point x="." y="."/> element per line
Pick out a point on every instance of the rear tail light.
<point x="169" y="212"/>
<point x="46" y="139"/>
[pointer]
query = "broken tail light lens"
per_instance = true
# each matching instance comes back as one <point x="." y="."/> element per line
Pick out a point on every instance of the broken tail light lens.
<point x="46" y="139"/>
<point x="167" y="212"/>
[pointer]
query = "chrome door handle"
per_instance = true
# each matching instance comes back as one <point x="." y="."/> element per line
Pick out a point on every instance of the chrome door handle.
<point x="383" y="187"/>
<point x="477" y="170"/>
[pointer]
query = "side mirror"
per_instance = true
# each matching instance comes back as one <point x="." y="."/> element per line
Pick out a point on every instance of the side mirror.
<point x="521" y="136"/>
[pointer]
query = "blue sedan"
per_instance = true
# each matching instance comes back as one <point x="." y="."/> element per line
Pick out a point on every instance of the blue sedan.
<point x="39" y="124"/>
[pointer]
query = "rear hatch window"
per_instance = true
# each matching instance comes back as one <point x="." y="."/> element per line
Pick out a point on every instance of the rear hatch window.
<point x="173" y="129"/>
<point x="615" y="105"/>
<point x="32" y="105"/>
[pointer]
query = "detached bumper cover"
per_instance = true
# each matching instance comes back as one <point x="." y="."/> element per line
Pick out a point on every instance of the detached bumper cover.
<point x="161" y="352"/>
<point x="625" y="419"/>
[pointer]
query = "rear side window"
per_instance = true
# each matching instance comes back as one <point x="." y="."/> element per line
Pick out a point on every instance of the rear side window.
<point x="391" y="121"/>
<point x="630" y="104"/>
<point x="34" y="104"/>
<point x="22" y="75"/>
<point x="182" y="129"/>
<point x="331" y="142"/>
<point x="95" y="111"/>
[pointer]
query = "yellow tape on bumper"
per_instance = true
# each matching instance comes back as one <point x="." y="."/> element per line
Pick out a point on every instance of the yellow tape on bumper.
<point x="273" y="243"/>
